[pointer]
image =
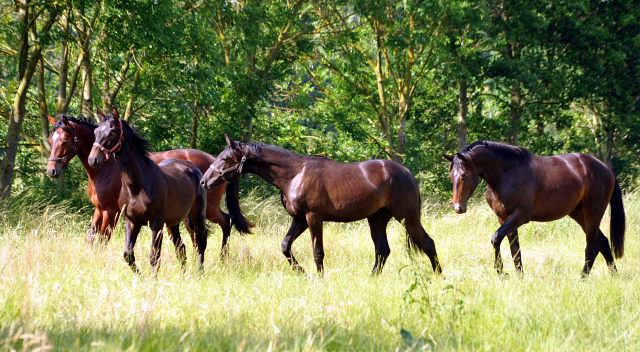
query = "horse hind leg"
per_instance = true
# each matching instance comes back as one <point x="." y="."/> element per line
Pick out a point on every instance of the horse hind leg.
<point x="295" y="230"/>
<point x="181" y="252"/>
<point x="378" y="225"/>
<point x="224" y="221"/>
<point x="597" y="242"/>
<point x="420" y="238"/>
<point x="197" y="216"/>
<point x="189" y="226"/>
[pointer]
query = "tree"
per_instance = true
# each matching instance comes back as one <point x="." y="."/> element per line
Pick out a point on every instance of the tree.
<point x="29" y="54"/>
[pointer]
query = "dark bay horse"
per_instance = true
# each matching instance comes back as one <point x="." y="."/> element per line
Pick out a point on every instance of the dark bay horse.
<point x="523" y="187"/>
<point x="315" y="189"/>
<point x="155" y="195"/>
<point x="71" y="137"/>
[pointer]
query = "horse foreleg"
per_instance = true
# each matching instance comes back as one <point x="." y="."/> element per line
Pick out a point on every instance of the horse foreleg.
<point x="514" y="245"/>
<point x="315" y="228"/>
<point x="515" y="220"/>
<point x="96" y="222"/>
<point x="131" y="235"/>
<point x="156" y="244"/>
<point x="109" y="220"/>
<point x="296" y="229"/>
<point x="225" y="225"/>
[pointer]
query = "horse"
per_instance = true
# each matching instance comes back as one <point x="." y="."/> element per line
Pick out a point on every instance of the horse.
<point x="152" y="194"/>
<point x="70" y="137"/>
<point x="523" y="187"/>
<point x="315" y="189"/>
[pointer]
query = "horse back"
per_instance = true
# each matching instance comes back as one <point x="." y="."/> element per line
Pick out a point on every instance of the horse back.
<point x="350" y="191"/>
<point x="182" y="179"/>
<point x="562" y="182"/>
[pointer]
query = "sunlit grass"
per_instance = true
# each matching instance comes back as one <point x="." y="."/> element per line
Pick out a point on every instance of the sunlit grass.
<point x="56" y="291"/>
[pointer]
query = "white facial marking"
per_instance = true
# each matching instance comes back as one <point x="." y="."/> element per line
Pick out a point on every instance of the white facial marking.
<point x="55" y="136"/>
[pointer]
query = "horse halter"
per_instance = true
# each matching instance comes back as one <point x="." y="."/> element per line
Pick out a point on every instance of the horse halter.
<point x="106" y="151"/>
<point x="70" y="154"/>
<point x="238" y="167"/>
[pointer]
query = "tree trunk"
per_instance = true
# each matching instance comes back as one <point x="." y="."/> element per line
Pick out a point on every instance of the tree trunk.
<point x="129" y="111"/>
<point x="61" y="107"/>
<point x="17" y="115"/>
<point x="514" y="113"/>
<point x="42" y="104"/>
<point x="193" y="143"/>
<point x="85" y="68"/>
<point x="87" y="87"/>
<point x="462" y="113"/>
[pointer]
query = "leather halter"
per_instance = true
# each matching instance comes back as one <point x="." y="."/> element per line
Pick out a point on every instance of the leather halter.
<point x="70" y="154"/>
<point x="238" y="167"/>
<point x="106" y="151"/>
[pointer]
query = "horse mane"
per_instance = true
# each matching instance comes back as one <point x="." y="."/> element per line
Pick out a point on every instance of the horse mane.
<point x="133" y="140"/>
<point x="256" y="149"/>
<point x="80" y="121"/>
<point x="502" y="151"/>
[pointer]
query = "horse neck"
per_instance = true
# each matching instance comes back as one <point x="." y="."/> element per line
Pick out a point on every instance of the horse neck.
<point x="86" y="137"/>
<point x="491" y="168"/>
<point x="134" y="167"/>
<point x="275" y="166"/>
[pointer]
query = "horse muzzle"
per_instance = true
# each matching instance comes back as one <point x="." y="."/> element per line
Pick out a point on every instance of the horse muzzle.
<point x="459" y="208"/>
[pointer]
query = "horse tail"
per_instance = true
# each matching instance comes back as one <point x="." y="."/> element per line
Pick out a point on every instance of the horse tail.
<point x="233" y="206"/>
<point x="618" y="221"/>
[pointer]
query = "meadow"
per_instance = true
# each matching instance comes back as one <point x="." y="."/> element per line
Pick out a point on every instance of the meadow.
<point x="57" y="292"/>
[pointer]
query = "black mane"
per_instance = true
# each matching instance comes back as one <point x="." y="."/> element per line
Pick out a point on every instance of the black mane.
<point x="80" y="121"/>
<point x="256" y="149"/>
<point x="502" y="151"/>
<point x="131" y="138"/>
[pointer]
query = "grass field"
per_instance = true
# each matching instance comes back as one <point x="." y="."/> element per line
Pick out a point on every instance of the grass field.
<point x="57" y="292"/>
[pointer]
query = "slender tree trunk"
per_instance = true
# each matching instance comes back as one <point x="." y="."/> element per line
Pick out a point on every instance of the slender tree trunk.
<point x="17" y="114"/>
<point x="193" y="143"/>
<point x="462" y="113"/>
<point x="129" y="111"/>
<point x="42" y="104"/>
<point x="85" y="69"/>
<point x="87" y="88"/>
<point x="61" y="108"/>
<point x="514" y="113"/>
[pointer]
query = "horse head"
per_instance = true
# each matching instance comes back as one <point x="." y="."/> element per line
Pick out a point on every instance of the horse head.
<point x="227" y="167"/>
<point x="63" y="141"/>
<point x="109" y="137"/>
<point x="464" y="175"/>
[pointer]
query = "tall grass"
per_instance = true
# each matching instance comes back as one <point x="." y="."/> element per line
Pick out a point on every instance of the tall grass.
<point x="57" y="292"/>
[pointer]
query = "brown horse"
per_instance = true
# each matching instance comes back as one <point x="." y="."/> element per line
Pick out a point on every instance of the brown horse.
<point x="71" y="137"/>
<point x="156" y="195"/>
<point x="523" y="187"/>
<point x="315" y="189"/>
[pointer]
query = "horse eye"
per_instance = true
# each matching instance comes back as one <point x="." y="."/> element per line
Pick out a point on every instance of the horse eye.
<point x="464" y="176"/>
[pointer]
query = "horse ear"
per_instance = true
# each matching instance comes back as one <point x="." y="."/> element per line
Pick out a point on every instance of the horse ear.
<point x="51" y="119"/>
<point x="65" y="120"/>
<point x="100" y="113"/>
<point x="114" y="112"/>
<point x="461" y="157"/>
<point x="230" y="142"/>
<point x="448" y="157"/>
